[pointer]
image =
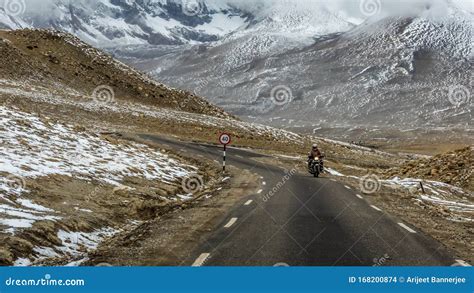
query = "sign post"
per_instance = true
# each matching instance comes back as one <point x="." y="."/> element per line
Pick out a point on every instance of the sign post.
<point x="224" y="139"/>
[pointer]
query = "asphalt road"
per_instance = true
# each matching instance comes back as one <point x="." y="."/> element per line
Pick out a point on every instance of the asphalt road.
<point x="299" y="220"/>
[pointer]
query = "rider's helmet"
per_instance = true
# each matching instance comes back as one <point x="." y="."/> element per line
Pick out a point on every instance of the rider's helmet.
<point x="315" y="146"/>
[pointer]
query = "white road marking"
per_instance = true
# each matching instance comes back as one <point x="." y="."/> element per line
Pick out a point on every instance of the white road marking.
<point x="230" y="223"/>
<point x="333" y="180"/>
<point x="347" y="187"/>
<point x="407" y="228"/>
<point x="460" y="263"/>
<point x="264" y="183"/>
<point x="359" y="196"/>
<point x="201" y="259"/>
<point x="376" y="208"/>
<point x="248" y="202"/>
<point x="259" y="191"/>
<point x="239" y="156"/>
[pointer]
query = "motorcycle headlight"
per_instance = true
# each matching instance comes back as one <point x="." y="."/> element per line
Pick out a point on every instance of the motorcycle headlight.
<point x="317" y="158"/>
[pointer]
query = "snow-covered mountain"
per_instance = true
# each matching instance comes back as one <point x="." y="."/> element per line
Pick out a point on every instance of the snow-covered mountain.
<point x="108" y="23"/>
<point x="402" y="71"/>
<point x="170" y="22"/>
<point x="327" y="63"/>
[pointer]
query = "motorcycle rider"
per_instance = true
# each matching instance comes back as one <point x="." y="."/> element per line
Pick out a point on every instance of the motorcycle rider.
<point x="315" y="153"/>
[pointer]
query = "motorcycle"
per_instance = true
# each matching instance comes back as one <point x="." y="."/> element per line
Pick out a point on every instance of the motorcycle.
<point x="315" y="166"/>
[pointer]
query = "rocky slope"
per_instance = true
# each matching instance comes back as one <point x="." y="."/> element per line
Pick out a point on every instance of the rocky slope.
<point x="455" y="168"/>
<point x="64" y="61"/>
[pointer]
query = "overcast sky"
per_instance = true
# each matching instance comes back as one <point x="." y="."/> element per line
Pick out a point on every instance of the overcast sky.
<point x="353" y="7"/>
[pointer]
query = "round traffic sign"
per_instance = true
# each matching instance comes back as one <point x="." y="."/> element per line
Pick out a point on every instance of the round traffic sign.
<point x="224" y="139"/>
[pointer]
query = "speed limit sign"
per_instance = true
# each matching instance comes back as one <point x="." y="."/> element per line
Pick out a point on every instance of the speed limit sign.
<point x="224" y="139"/>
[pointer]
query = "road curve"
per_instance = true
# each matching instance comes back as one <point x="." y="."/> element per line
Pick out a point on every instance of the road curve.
<point x="298" y="220"/>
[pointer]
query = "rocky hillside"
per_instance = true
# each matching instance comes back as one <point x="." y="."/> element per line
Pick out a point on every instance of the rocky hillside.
<point x="63" y="61"/>
<point x="455" y="168"/>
